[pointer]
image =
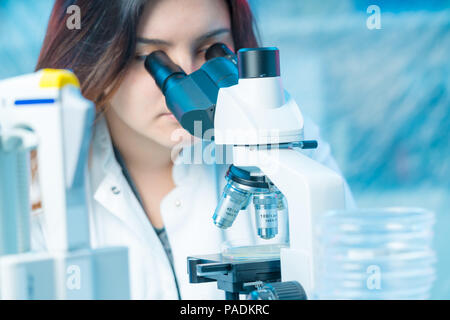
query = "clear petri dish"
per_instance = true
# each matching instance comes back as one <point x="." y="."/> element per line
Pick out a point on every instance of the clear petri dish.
<point x="389" y="221"/>
<point x="397" y="242"/>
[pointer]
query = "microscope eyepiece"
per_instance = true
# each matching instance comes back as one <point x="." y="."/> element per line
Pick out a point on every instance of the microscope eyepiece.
<point x="220" y="50"/>
<point x="163" y="70"/>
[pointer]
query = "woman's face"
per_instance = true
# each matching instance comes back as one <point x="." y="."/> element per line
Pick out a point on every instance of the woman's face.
<point x="184" y="30"/>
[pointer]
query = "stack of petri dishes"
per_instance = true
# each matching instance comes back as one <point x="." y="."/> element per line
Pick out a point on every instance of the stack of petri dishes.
<point x="375" y="254"/>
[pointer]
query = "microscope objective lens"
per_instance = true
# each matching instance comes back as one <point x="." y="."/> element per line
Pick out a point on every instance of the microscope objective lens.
<point x="231" y="202"/>
<point x="266" y="214"/>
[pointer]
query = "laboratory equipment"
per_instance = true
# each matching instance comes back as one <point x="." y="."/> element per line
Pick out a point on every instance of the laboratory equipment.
<point x="45" y="112"/>
<point x="383" y="253"/>
<point x="252" y="114"/>
<point x="235" y="277"/>
<point x="192" y="98"/>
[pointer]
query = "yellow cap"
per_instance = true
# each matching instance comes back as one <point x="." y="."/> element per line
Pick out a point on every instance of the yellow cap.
<point x="57" y="78"/>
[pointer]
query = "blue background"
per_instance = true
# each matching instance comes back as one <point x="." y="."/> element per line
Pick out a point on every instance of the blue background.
<point x="381" y="97"/>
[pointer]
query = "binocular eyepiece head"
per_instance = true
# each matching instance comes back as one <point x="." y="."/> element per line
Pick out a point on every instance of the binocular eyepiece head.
<point x="192" y="98"/>
<point x="162" y="69"/>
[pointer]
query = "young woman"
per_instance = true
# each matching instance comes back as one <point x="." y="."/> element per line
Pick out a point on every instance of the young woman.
<point x="140" y="199"/>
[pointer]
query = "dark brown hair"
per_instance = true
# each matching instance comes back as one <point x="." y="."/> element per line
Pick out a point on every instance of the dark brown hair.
<point x="100" y="52"/>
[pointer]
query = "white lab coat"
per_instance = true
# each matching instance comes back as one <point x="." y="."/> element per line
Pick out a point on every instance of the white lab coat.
<point x="117" y="219"/>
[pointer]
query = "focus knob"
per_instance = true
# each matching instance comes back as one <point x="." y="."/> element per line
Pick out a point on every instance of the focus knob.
<point x="290" y="290"/>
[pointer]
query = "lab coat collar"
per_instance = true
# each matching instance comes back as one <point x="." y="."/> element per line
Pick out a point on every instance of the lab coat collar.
<point x="109" y="186"/>
<point x="108" y="183"/>
<point x="112" y="191"/>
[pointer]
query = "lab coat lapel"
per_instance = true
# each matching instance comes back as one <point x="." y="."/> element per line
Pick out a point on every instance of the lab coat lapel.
<point x="116" y="201"/>
<point x="111" y="190"/>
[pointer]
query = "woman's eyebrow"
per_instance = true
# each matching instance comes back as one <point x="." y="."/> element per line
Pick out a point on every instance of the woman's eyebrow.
<point x="200" y="39"/>
<point x="153" y="41"/>
<point x="212" y="34"/>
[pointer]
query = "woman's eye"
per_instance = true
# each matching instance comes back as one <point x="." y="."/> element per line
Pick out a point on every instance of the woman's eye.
<point x="140" y="57"/>
<point x="202" y="51"/>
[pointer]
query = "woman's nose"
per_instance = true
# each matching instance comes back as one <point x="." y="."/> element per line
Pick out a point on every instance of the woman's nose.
<point x="189" y="63"/>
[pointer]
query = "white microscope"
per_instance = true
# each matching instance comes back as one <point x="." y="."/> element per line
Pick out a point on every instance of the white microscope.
<point x="251" y="113"/>
<point x="46" y="112"/>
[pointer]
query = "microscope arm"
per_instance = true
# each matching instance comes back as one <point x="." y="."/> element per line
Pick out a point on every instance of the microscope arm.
<point x="311" y="189"/>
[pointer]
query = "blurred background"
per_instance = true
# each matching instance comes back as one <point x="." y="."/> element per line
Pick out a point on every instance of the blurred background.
<point x="381" y="96"/>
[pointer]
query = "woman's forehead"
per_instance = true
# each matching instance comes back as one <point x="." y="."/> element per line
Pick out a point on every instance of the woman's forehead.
<point x="175" y="20"/>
